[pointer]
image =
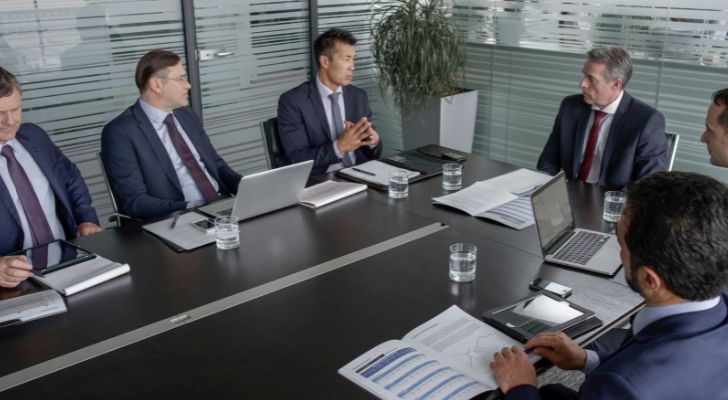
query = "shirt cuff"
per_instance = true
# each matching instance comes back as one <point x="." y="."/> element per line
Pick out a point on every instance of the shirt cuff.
<point x="338" y="153"/>
<point x="592" y="362"/>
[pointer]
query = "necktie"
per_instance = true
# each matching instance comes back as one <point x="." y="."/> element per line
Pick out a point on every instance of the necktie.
<point x="338" y="124"/>
<point x="188" y="159"/>
<point x="37" y="222"/>
<point x="590" y="146"/>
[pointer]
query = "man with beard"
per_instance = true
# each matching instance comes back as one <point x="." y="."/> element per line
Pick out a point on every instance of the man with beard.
<point x="673" y="248"/>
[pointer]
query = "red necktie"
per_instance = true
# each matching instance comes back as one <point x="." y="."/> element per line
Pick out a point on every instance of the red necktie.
<point x="188" y="159"/>
<point x="591" y="145"/>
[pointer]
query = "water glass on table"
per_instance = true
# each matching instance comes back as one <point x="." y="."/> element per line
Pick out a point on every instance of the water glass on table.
<point x="398" y="184"/>
<point x="227" y="233"/>
<point x="452" y="176"/>
<point x="462" y="262"/>
<point x="613" y="204"/>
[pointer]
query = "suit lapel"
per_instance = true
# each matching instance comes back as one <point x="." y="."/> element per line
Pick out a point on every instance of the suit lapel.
<point x="145" y="126"/>
<point x="8" y="203"/>
<point x="318" y="107"/>
<point x="615" y="130"/>
<point x="196" y="139"/>
<point x="48" y="170"/>
<point x="581" y="135"/>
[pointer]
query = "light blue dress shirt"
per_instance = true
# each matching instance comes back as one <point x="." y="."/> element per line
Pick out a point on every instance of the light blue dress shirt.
<point x="189" y="187"/>
<point x="649" y="315"/>
<point x="42" y="188"/>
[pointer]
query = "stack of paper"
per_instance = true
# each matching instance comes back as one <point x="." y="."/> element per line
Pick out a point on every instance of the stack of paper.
<point x="328" y="192"/>
<point x="504" y="199"/>
<point x="81" y="276"/>
<point x="31" y="306"/>
<point x="375" y="172"/>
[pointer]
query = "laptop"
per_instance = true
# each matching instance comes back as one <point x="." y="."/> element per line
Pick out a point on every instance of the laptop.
<point x="264" y="192"/>
<point x="561" y="242"/>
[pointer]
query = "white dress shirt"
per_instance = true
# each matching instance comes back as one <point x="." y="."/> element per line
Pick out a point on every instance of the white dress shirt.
<point x="41" y="186"/>
<point x="324" y="92"/>
<point x="189" y="187"/>
<point x="606" y="124"/>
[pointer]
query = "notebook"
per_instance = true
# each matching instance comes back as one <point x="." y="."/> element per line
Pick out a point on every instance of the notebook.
<point x="564" y="244"/>
<point x="264" y="192"/>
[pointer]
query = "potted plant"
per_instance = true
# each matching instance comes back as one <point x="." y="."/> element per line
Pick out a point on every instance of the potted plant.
<point x="420" y="53"/>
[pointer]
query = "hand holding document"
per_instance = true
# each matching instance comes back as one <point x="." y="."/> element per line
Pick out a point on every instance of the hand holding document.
<point x="447" y="357"/>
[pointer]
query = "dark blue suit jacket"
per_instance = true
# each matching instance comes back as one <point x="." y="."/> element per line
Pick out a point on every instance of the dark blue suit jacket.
<point x="636" y="145"/>
<point x="304" y="130"/>
<point x="73" y="202"/>
<point x="678" y="357"/>
<point x="140" y="171"/>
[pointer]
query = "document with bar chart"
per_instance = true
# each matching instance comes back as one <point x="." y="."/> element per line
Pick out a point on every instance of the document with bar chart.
<point x="446" y="358"/>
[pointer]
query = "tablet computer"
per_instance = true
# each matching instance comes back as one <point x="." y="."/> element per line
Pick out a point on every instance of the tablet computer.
<point x="542" y="312"/>
<point x="54" y="256"/>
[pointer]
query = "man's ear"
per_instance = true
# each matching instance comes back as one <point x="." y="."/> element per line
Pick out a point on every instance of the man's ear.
<point x="617" y="83"/>
<point x="650" y="279"/>
<point x="324" y="61"/>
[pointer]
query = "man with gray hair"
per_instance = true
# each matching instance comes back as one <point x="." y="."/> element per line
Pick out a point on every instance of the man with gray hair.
<point x="716" y="129"/>
<point x="604" y="135"/>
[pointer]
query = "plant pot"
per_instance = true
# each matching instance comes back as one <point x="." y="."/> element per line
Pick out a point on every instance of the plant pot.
<point x="447" y="121"/>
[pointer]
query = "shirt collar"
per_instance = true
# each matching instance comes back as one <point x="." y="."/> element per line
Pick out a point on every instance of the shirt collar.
<point x="14" y="144"/>
<point x="155" y="115"/>
<point x="323" y="90"/>
<point x="649" y="315"/>
<point x="612" y="107"/>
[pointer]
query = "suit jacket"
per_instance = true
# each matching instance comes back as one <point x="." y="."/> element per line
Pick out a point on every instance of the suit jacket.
<point x="140" y="171"/>
<point x="678" y="357"/>
<point x="636" y="145"/>
<point x="304" y="130"/>
<point x="73" y="201"/>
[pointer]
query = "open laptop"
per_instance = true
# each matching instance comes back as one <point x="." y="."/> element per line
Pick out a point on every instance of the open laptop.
<point x="264" y="192"/>
<point x="564" y="244"/>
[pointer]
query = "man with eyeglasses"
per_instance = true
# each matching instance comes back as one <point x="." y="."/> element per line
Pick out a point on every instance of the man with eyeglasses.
<point x="157" y="155"/>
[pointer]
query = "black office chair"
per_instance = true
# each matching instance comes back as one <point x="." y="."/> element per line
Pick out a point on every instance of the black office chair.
<point x="672" y="140"/>
<point x="116" y="216"/>
<point x="274" y="151"/>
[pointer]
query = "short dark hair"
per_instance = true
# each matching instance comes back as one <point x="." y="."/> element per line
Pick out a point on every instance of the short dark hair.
<point x="679" y="227"/>
<point x="8" y="83"/>
<point x="326" y="42"/>
<point x="617" y="60"/>
<point x="151" y="63"/>
<point x="720" y="98"/>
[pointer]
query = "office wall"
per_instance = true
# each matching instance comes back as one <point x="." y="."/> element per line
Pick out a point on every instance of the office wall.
<point x="525" y="56"/>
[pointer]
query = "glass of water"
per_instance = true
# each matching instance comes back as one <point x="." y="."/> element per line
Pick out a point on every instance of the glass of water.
<point x="452" y="176"/>
<point x="613" y="204"/>
<point x="462" y="262"/>
<point x="398" y="184"/>
<point x="227" y="234"/>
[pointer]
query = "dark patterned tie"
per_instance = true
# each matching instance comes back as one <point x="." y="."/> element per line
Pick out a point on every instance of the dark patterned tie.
<point x="591" y="145"/>
<point x="37" y="222"/>
<point x="188" y="159"/>
<point x="339" y="124"/>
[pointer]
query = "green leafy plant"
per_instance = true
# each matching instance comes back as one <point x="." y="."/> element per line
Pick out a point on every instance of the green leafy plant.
<point x="418" y="51"/>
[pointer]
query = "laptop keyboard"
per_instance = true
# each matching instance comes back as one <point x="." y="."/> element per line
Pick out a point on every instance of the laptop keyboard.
<point x="581" y="247"/>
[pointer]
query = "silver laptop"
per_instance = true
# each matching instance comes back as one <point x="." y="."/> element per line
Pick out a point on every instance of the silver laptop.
<point x="264" y="192"/>
<point x="564" y="244"/>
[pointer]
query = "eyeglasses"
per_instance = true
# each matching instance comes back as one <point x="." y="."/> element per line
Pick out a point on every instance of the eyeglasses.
<point x="180" y="79"/>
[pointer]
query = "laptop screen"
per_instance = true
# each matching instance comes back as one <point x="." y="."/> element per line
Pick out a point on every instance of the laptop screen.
<point x="551" y="210"/>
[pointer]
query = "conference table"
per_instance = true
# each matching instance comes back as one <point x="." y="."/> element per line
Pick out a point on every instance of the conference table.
<point x="306" y="292"/>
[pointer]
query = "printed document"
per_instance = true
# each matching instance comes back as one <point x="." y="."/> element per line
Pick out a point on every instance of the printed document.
<point x="328" y="192"/>
<point x="504" y="199"/>
<point x="447" y="357"/>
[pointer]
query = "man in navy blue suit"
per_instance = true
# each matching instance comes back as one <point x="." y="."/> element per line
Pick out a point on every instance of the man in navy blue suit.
<point x="157" y="155"/>
<point x="674" y="250"/>
<point x="604" y="135"/>
<point x="327" y="119"/>
<point x="42" y="193"/>
<point x="715" y="135"/>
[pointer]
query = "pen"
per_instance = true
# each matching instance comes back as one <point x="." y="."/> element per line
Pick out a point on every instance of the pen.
<point x="174" y="221"/>
<point x="364" y="172"/>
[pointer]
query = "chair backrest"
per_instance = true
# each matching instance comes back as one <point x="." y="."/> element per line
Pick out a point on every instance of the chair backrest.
<point x="114" y="201"/>
<point x="274" y="150"/>
<point x="672" y="140"/>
